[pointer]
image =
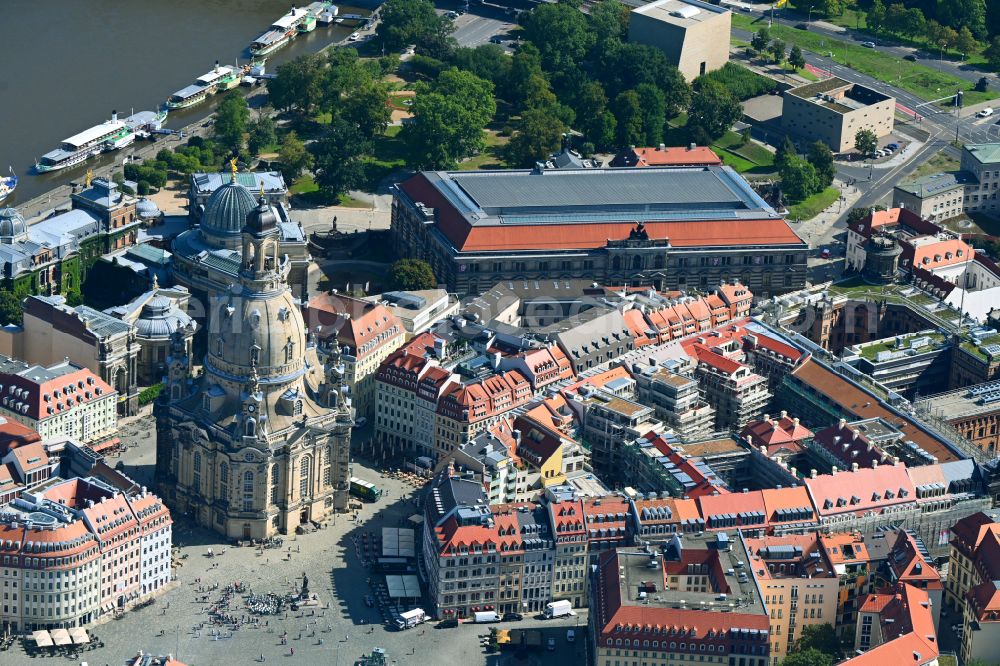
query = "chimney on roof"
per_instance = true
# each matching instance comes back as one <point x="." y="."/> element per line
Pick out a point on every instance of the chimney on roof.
<point x="895" y="461"/>
<point x="662" y="146"/>
<point x="749" y="439"/>
<point x="812" y="474"/>
<point x="495" y="360"/>
<point x="795" y="421"/>
<point x="692" y="146"/>
<point x="854" y="467"/>
<point x="793" y="471"/>
<point x="767" y="417"/>
<point x="763" y="450"/>
<point x="834" y="470"/>
<point x="841" y="423"/>
<point x="874" y="464"/>
<point x="784" y="414"/>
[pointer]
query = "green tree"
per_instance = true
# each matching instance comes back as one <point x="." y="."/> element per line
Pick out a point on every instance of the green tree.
<point x="340" y="157"/>
<point x="561" y="34"/>
<point x="412" y="274"/>
<point x="538" y="135"/>
<point x="713" y="111"/>
<point x="448" y="119"/>
<point x="654" y="110"/>
<point x="992" y="54"/>
<point x="865" y="142"/>
<point x="628" y="117"/>
<point x="628" y="65"/>
<point x="895" y="18"/>
<point x="876" y="15"/>
<point x="761" y="40"/>
<point x="406" y="22"/>
<point x="784" y="152"/>
<point x="294" y="157"/>
<point x="368" y="109"/>
<point x="231" y="120"/>
<point x="609" y="21"/>
<point x="821" y="157"/>
<point x="964" y="13"/>
<point x="798" y="179"/>
<point x="915" y="23"/>
<point x="777" y="50"/>
<point x="298" y="84"/>
<point x="524" y="66"/>
<point x="821" y="637"/>
<point x="490" y="62"/>
<point x="796" y="59"/>
<point x="262" y="133"/>
<point x="829" y="7"/>
<point x="809" y="657"/>
<point x="966" y="42"/>
<point x="10" y="308"/>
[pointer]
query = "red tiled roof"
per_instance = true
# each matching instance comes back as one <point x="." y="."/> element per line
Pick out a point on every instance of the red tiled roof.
<point x="355" y="323"/>
<point x="910" y="638"/>
<point x="670" y="156"/>
<point x="861" y="491"/>
<point x="52" y="397"/>
<point x="862" y="405"/>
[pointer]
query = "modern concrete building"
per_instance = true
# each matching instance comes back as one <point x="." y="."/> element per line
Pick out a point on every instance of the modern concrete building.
<point x="690" y="228"/>
<point x="418" y="310"/>
<point x="677" y="400"/>
<point x="834" y="110"/>
<point x="906" y="364"/>
<point x="692" y="34"/>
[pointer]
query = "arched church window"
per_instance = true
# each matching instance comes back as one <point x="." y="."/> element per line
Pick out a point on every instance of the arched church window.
<point x="304" y="466"/>
<point x="248" y="481"/>
<point x="275" y="481"/>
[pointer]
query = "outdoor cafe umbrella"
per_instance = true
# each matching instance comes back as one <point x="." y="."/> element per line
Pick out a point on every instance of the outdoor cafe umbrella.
<point x="79" y="635"/>
<point x="41" y="638"/>
<point x="61" y="637"/>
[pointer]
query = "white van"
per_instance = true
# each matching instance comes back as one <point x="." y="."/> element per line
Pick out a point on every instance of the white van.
<point x="985" y="113"/>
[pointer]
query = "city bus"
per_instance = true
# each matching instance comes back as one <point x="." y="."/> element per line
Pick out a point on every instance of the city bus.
<point x="365" y="490"/>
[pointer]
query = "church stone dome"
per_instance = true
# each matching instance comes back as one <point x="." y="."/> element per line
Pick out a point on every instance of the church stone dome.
<point x="12" y="225"/>
<point x="227" y="209"/>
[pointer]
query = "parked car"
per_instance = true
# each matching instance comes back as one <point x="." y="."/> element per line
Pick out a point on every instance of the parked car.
<point x="893" y="146"/>
<point x="512" y="617"/>
<point x="985" y="113"/>
<point x="355" y="36"/>
<point x="570" y="635"/>
<point x="910" y="57"/>
<point x="496" y="39"/>
<point x="448" y="623"/>
<point x="825" y="253"/>
<point x="801" y="26"/>
<point x="868" y="45"/>
<point x="744" y="8"/>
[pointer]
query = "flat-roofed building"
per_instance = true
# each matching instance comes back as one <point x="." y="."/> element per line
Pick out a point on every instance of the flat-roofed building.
<point x="973" y="411"/>
<point x="936" y="196"/>
<point x="834" y="110"/>
<point x="668" y="604"/>
<point x="671" y="228"/>
<point x="693" y="35"/>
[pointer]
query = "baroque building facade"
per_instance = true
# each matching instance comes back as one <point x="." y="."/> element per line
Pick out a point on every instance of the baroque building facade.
<point x="259" y="443"/>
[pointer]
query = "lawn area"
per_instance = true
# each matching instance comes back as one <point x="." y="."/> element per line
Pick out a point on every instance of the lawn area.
<point x="936" y="164"/>
<point x="920" y="80"/>
<point x="490" y="158"/>
<point x="306" y="188"/>
<point x="390" y="154"/>
<point x="807" y="75"/>
<point x="814" y="205"/>
<point x="747" y="158"/>
<point x="947" y="660"/>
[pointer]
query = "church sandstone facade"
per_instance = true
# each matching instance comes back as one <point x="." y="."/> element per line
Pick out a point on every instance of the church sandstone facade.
<point x="259" y="443"/>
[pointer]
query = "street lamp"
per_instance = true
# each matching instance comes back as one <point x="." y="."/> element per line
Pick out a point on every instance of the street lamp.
<point x="810" y="18"/>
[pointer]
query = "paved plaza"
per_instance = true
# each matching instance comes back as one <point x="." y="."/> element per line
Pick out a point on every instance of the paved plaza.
<point x="339" y="631"/>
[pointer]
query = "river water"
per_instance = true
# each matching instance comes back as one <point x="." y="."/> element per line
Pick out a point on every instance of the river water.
<point x="65" y="65"/>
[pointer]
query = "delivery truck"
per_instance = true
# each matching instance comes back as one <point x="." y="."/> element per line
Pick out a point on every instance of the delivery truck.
<point x="486" y="616"/>
<point x="555" y="609"/>
<point x="411" y="618"/>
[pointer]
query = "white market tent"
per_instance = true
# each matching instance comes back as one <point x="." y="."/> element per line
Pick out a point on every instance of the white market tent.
<point x="403" y="587"/>
<point x="79" y="635"/>
<point x="41" y="638"/>
<point x="61" y="637"/>
<point x="398" y="542"/>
